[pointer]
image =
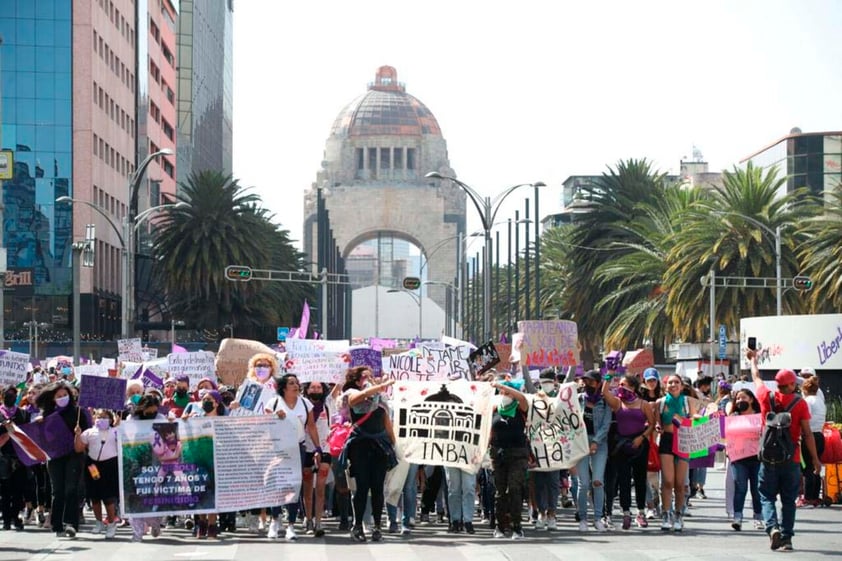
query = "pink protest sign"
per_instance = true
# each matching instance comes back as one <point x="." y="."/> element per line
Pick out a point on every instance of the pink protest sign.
<point x="742" y="436"/>
<point x="549" y="343"/>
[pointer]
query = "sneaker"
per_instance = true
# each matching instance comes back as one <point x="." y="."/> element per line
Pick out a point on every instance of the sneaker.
<point x="666" y="523"/>
<point x="393" y="527"/>
<point x="609" y="524"/>
<point x="786" y="544"/>
<point x="552" y="524"/>
<point x="290" y="534"/>
<point x="111" y="529"/>
<point x="273" y="530"/>
<point x="425" y="518"/>
<point x="70" y="532"/>
<point x="358" y="534"/>
<point x="308" y="526"/>
<point x="188" y="524"/>
<point x="376" y="534"/>
<point x="641" y="521"/>
<point x="737" y="524"/>
<point x="701" y="493"/>
<point x="598" y="524"/>
<point x="626" y="520"/>
<point x="517" y="534"/>
<point x="566" y="503"/>
<point x="759" y="525"/>
<point x="775" y="539"/>
<point x="498" y="533"/>
<point x="405" y="530"/>
<point x="540" y="523"/>
<point x="678" y="525"/>
<point x="651" y="514"/>
<point x="583" y="526"/>
<point x="318" y="531"/>
<point x="99" y="527"/>
<point x="442" y="518"/>
<point x="469" y="528"/>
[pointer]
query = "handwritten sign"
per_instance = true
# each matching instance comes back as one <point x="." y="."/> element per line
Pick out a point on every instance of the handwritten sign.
<point x="195" y="366"/>
<point x="380" y="344"/>
<point x="558" y="438"/>
<point x="233" y="357"/>
<point x="742" y="436"/>
<point x="102" y="392"/>
<point x="91" y="370"/>
<point x="13" y="368"/>
<point x="694" y="438"/>
<point x="445" y="424"/>
<point x="549" y="343"/>
<point x="426" y="364"/>
<point x="369" y="357"/>
<point x="130" y="350"/>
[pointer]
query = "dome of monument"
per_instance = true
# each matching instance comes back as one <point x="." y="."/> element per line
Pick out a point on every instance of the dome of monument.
<point x="385" y="109"/>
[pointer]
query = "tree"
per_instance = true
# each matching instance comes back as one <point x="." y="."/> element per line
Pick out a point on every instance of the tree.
<point x="821" y="257"/>
<point x="224" y="225"/>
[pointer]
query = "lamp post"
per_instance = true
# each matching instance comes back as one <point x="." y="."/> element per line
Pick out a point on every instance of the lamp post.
<point x="34" y="326"/>
<point x="417" y="299"/>
<point x="487" y="209"/>
<point x="448" y="316"/>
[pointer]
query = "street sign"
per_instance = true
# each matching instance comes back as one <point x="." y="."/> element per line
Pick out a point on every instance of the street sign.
<point x="282" y="333"/>
<point x="238" y="273"/>
<point x="723" y="341"/>
<point x="412" y="283"/>
<point x="802" y="283"/>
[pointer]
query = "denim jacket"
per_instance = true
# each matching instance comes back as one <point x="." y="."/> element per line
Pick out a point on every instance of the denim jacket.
<point x="601" y="420"/>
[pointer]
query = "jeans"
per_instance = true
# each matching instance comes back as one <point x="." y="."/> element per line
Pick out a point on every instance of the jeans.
<point x="486" y="491"/>
<point x="410" y="494"/>
<point x="461" y="491"/>
<point x="783" y="479"/>
<point x="591" y="468"/>
<point x="745" y="474"/>
<point x="546" y="490"/>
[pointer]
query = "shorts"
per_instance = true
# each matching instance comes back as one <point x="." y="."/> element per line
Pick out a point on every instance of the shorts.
<point x="665" y="446"/>
<point x="325" y="458"/>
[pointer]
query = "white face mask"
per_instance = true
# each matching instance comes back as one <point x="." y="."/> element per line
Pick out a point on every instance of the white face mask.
<point x="506" y="400"/>
<point x="548" y="387"/>
<point x="63" y="400"/>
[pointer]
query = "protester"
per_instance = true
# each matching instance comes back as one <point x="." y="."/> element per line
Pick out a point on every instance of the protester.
<point x="546" y="483"/>
<point x="13" y="474"/>
<point x="818" y="414"/>
<point x="590" y="471"/>
<point x="211" y="406"/>
<point x="102" y="481"/>
<point x="180" y="397"/>
<point x="745" y="471"/>
<point x="317" y="459"/>
<point x="783" y="478"/>
<point x="134" y="391"/>
<point x="146" y="409"/>
<point x="369" y="448"/>
<point x="59" y="398"/>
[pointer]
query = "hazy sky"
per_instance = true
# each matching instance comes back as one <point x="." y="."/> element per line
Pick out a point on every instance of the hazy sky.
<point x="535" y="91"/>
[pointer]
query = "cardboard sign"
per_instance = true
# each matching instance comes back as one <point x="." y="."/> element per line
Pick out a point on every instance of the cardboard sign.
<point x="742" y="435"/>
<point x="102" y="392"/>
<point x="558" y="438"/>
<point x="130" y="350"/>
<point x="232" y="359"/>
<point x="549" y="343"/>
<point x="13" y="367"/>
<point x="694" y="438"/>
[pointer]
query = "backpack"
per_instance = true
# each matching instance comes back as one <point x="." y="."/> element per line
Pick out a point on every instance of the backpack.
<point x="776" y="444"/>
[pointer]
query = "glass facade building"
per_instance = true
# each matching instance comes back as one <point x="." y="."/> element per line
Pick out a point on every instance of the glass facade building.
<point x="36" y="125"/>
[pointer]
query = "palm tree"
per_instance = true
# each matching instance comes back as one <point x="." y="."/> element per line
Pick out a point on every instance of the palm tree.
<point x="721" y="232"/>
<point x="821" y="257"/>
<point x="223" y="225"/>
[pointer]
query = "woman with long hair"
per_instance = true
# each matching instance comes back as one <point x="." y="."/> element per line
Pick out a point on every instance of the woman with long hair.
<point x="102" y="481"/>
<point x="745" y="471"/>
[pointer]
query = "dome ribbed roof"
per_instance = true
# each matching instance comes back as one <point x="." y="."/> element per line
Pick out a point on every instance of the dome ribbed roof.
<point x="385" y="109"/>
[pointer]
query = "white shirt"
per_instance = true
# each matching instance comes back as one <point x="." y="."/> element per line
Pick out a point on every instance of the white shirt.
<point x="299" y="412"/>
<point x="818" y="411"/>
<point x="104" y="441"/>
<point x="322" y="428"/>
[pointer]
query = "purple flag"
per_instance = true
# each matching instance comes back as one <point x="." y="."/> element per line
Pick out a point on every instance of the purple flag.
<point x="52" y="435"/>
<point x="149" y="378"/>
<point x="305" y="321"/>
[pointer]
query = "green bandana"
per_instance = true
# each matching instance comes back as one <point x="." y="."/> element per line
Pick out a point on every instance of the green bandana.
<point x="509" y="410"/>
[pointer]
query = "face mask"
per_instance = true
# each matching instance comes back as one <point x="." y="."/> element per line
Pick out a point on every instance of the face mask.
<point x="316" y="396"/>
<point x="590" y="390"/>
<point x="506" y="400"/>
<point x="181" y="392"/>
<point x="149" y="414"/>
<point x="135" y="398"/>
<point x="9" y="400"/>
<point x="742" y="406"/>
<point x="63" y="401"/>
<point x="103" y="424"/>
<point x="625" y="394"/>
<point x="65" y="370"/>
<point x="208" y="406"/>
<point x="548" y="387"/>
<point x="262" y="372"/>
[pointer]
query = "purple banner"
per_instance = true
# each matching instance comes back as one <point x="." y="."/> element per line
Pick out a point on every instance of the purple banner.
<point x="149" y="379"/>
<point x="101" y="392"/>
<point x="370" y="358"/>
<point x="52" y="435"/>
<point x="380" y="344"/>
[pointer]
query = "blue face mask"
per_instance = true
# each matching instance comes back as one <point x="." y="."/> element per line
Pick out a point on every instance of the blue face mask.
<point x="66" y="370"/>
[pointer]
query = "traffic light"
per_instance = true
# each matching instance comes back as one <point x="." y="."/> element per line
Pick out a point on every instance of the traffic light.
<point x="412" y="283"/>
<point x="238" y="273"/>
<point x="802" y="283"/>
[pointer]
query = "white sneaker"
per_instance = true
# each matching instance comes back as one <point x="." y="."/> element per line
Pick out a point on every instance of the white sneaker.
<point x="609" y="524"/>
<point x="111" y="530"/>
<point x="99" y="527"/>
<point x="405" y="530"/>
<point x="583" y="526"/>
<point x="552" y="524"/>
<point x="273" y="530"/>
<point x="540" y="523"/>
<point x="290" y="535"/>
<point x="651" y="514"/>
<point x="678" y="525"/>
<point x="759" y="525"/>
<point x="261" y="526"/>
<point x="666" y="522"/>
<point x="498" y="533"/>
<point x="599" y="525"/>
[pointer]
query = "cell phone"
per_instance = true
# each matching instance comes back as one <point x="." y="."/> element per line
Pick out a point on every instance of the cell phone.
<point x="752" y="343"/>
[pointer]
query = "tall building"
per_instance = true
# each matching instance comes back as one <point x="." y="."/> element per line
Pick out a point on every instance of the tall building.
<point x="205" y="87"/>
<point x="807" y="159"/>
<point x="87" y="93"/>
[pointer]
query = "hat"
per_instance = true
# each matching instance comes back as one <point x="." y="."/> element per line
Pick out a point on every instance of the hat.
<point x="594" y="375"/>
<point x="808" y="372"/>
<point x="169" y="381"/>
<point x="651" y="374"/>
<point x="183" y="378"/>
<point x="547" y="374"/>
<point x="785" y="377"/>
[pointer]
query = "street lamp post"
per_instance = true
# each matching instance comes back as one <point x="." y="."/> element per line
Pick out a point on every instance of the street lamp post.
<point x="418" y="301"/>
<point x="487" y="209"/>
<point x="448" y="315"/>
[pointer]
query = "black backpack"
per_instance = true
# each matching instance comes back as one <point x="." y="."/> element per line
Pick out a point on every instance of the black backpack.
<point x="776" y="445"/>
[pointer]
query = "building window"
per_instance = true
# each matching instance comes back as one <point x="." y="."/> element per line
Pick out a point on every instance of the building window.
<point x="96" y="139"/>
<point x="168" y="130"/>
<point x="372" y="160"/>
<point x="410" y="158"/>
<point x="385" y="158"/>
<point x="397" y="158"/>
<point x="169" y="169"/>
<point x="360" y="158"/>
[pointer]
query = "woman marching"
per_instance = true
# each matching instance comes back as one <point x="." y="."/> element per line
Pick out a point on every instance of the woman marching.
<point x="102" y="482"/>
<point x="745" y="471"/>
<point x="317" y="458"/>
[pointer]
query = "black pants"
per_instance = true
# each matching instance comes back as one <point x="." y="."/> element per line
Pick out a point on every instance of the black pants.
<point x="11" y="493"/>
<point x="432" y="486"/>
<point x="368" y="468"/>
<point x="509" y="487"/>
<point x="629" y="469"/>
<point x="65" y="477"/>
<point x="812" y="482"/>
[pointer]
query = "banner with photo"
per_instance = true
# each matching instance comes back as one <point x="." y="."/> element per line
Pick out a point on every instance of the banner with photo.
<point x="698" y="438"/>
<point x="443" y="423"/>
<point x="556" y="429"/>
<point x="206" y="465"/>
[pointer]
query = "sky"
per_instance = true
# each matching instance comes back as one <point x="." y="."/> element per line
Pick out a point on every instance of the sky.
<point x="533" y="91"/>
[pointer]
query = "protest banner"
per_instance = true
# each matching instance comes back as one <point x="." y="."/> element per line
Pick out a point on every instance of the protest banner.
<point x="379" y="344"/>
<point x="197" y="466"/>
<point x="443" y="423"/>
<point x="232" y="359"/>
<point x="558" y="438"/>
<point x="148" y="378"/>
<point x="426" y="364"/>
<point x="368" y="357"/>
<point x="149" y="353"/>
<point x="549" y="343"/>
<point x="108" y="363"/>
<point x="484" y="358"/>
<point x="319" y="366"/>
<point x="694" y="438"/>
<point x="102" y="392"/>
<point x="91" y="370"/>
<point x="52" y="435"/>
<point x="742" y="436"/>
<point x="13" y="367"/>
<point x="195" y="366"/>
<point x="130" y="350"/>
